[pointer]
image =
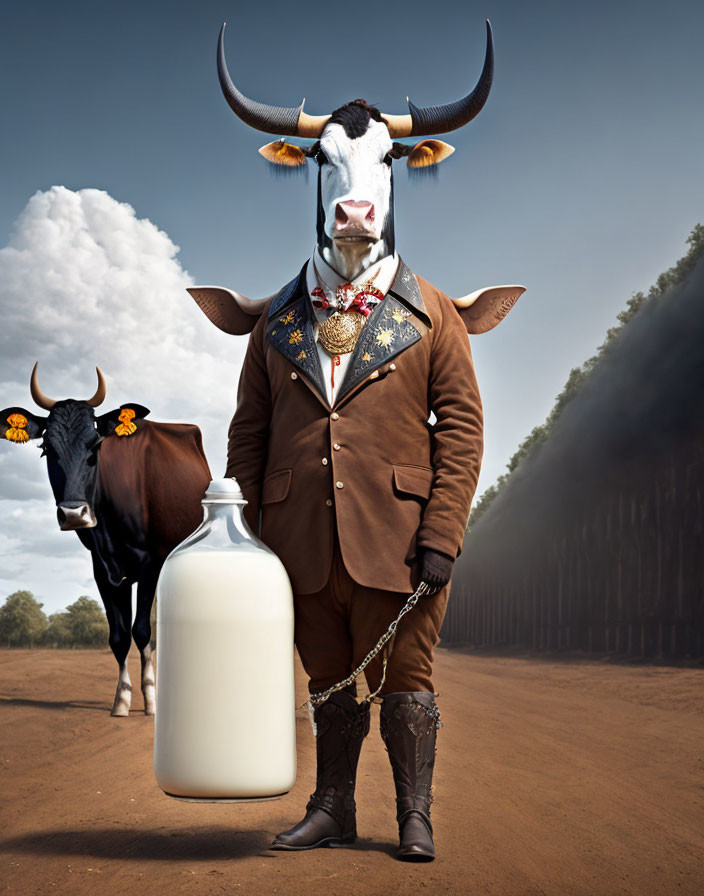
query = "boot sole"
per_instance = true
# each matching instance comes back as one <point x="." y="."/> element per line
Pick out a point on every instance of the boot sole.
<point x="331" y="842"/>
<point x="413" y="856"/>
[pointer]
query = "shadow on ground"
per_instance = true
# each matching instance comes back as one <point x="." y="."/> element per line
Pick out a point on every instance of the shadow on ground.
<point x="141" y="845"/>
<point x="99" y="705"/>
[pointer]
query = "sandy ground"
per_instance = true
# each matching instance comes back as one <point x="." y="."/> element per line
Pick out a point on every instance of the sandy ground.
<point x="552" y="778"/>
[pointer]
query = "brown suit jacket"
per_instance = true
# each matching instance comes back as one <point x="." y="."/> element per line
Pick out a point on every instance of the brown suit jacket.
<point x="371" y="465"/>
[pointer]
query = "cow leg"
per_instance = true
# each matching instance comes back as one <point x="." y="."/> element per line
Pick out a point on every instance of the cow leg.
<point x="120" y="643"/>
<point x="117" y="601"/>
<point x="142" y="633"/>
<point x="123" y="693"/>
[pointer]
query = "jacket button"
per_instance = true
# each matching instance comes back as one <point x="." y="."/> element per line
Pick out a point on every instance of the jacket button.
<point x="324" y="461"/>
<point x="392" y="367"/>
<point x="336" y="447"/>
<point x="294" y="375"/>
<point x="334" y="416"/>
<point x="339" y="484"/>
<point x="329" y="502"/>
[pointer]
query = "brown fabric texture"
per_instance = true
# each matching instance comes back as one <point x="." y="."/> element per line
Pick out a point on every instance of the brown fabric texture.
<point x="371" y="467"/>
<point x="337" y="626"/>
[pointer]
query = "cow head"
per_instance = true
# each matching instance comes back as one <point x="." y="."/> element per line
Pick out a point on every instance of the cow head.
<point x="354" y="149"/>
<point x="72" y="436"/>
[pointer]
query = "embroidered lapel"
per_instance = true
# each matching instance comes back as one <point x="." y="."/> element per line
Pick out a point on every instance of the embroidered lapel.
<point x="405" y="288"/>
<point x="389" y="330"/>
<point x="290" y="331"/>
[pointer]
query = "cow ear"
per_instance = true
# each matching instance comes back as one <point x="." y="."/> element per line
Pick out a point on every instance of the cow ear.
<point x="230" y="311"/>
<point x="124" y="421"/>
<point x="21" y="425"/>
<point x="429" y="152"/>
<point x="484" y="309"/>
<point x="281" y="153"/>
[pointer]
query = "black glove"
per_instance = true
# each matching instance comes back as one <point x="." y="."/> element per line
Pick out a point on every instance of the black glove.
<point x="435" y="569"/>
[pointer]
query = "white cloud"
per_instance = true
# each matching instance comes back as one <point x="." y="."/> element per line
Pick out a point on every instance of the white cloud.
<point x="83" y="281"/>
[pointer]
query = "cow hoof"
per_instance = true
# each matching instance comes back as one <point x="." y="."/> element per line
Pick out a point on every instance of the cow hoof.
<point x="121" y="706"/>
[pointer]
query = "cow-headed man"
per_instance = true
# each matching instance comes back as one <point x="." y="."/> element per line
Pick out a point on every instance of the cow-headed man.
<point x="347" y="481"/>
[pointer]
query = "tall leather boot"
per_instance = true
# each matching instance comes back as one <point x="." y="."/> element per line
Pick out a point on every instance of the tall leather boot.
<point x="409" y="723"/>
<point x="341" y="726"/>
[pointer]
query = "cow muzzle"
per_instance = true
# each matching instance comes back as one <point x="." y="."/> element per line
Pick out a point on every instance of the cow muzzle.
<point x="75" y="515"/>
<point x="354" y="221"/>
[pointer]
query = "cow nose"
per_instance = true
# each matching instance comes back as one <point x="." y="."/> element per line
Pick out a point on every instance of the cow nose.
<point x="354" y="216"/>
<point x="75" y="516"/>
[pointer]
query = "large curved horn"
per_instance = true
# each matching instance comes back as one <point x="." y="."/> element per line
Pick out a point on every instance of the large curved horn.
<point x="285" y="122"/>
<point x="441" y="119"/>
<point x="100" y="392"/>
<point x="38" y="397"/>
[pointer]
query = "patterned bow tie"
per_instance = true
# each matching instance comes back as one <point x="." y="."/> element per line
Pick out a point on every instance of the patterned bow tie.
<point x="347" y="297"/>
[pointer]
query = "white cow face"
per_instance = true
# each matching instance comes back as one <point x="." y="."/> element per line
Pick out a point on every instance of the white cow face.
<point x="355" y="191"/>
<point x="355" y="182"/>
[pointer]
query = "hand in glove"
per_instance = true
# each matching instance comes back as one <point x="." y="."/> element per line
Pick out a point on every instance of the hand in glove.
<point x="435" y="569"/>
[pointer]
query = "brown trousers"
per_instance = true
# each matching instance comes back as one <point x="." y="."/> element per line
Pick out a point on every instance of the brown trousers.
<point x="337" y="626"/>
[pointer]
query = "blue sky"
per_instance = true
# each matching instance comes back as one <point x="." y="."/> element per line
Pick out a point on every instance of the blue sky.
<point x="580" y="179"/>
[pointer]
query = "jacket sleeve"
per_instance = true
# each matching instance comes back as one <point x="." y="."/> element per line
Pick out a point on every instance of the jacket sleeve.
<point x="248" y="436"/>
<point x="457" y="435"/>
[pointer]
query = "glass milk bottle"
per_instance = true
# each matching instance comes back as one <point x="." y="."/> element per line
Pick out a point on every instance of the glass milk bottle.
<point x="225" y="703"/>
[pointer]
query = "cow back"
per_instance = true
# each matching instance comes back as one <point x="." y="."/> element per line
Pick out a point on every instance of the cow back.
<point x="152" y="484"/>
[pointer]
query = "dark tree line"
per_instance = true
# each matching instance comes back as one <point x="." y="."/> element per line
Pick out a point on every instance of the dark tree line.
<point x="594" y="540"/>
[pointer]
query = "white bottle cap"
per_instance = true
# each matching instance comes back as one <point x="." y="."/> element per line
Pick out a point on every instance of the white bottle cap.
<point x="223" y="491"/>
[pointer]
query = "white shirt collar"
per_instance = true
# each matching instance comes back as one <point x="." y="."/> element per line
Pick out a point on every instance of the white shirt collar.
<point x="384" y="272"/>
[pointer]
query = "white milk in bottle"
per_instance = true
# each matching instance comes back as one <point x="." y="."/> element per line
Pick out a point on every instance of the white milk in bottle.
<point x="224" y="726"/>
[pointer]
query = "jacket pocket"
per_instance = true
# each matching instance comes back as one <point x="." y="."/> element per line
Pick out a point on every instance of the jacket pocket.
<point x="413" y="480"/>
<point x="275" y="486"/>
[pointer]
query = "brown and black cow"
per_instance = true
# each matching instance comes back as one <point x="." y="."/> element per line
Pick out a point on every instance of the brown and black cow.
<point x="131" y="489"/>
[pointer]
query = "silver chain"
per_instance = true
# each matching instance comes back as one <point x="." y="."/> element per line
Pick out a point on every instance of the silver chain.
<point x="322" y="696"/>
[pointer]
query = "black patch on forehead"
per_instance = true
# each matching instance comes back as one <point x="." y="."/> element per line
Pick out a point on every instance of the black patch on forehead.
<point x="355" y="117"/>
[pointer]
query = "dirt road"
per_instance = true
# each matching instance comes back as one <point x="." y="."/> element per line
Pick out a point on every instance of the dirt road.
<point x="552" y="778"/>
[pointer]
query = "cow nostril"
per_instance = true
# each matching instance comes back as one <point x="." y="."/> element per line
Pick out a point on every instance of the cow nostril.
<point x="370" y="214"/>
<point x="340" y="214"/>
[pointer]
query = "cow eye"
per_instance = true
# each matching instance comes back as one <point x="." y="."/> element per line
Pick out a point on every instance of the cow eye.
<point x="321" y="158"/>
<point x="388" y="158"/>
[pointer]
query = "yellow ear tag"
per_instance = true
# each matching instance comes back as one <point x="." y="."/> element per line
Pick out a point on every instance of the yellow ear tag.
<point x="17" y="431"/>
<point x="126" y="427"/>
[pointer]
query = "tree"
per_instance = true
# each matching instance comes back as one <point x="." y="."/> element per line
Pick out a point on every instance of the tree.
<point x="87" y="623"/>
<point x="58" y="634"/>
<point x="22" y="620"/>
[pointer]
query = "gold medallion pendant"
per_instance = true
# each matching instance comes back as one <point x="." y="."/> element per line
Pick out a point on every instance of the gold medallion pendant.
<point x="339" y="333"/>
